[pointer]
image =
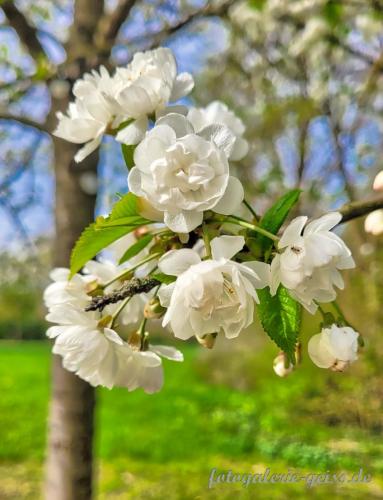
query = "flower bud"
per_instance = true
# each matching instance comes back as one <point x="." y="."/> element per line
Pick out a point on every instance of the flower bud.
<point x="140" y="231"/>
<point x="207" y="340"/>
<point x="374" y="222"/>
<point x="334" y="347"/>
<point x="378" y="182"/>
<point x="282" y="366"/>
<point x="153" y="309"/>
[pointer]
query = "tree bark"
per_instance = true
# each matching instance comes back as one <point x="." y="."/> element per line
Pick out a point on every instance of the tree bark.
<point x="70" y="433"/>
<point x="69" y="453"/>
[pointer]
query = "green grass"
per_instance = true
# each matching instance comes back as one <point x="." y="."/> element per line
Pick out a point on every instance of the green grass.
<point x="225" y="410"/>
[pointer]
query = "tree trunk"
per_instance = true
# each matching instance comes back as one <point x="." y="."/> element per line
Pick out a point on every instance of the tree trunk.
<point x="69" y="454"/>
<point x="70" y="439"/>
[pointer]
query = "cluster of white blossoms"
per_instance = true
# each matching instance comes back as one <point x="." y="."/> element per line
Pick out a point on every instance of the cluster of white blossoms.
<point x="193" y="262"/>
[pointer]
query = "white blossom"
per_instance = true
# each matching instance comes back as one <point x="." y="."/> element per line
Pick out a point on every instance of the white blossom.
<point x="146" y="87"/>
<point x="144" y="368"/>
<point x="374" y="222"/>
<point x="378" y="182"/>
<point x="214" y="295"/>
<point x="89" y="116"/>
<point x="89" y="349"/>
<point x="309" y="263"/>
<point x="334" y="347"/>
<point x="218" y="113"/>
<point x="65" y="291"/>
<point x="123" y="102"/>
<point x="97" y="354"/>
<point x="183" y="174"/>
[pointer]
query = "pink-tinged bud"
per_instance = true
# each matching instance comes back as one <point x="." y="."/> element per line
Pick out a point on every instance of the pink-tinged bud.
<point x="140" y="232"/>
<point x="374" y="222"/>
<point x="282" y="366"/>
<point x="207" y="340"/>
<point x="378" y="182"/>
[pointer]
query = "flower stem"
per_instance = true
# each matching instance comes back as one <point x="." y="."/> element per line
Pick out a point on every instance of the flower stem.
<point x="119" y="310"/>
<point x="131" y="269"/>
<point x="338" y="310"/>
<point x="206" y="240"/>
<point x="248" y="225"/>
<point x="322" y="311"/>
<point x="251" y="209"/>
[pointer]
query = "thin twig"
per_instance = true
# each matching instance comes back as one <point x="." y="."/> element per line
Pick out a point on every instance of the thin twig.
<point x="128" y="289"/>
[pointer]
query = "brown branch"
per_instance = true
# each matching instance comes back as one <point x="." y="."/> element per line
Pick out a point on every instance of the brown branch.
<point x="128" y="289"/>
<point x="356" y="209"/>
<point x="110" y="25"/>
<point x="23" y="120"/>
<point x="26" y="32"/>
<point x="209" y="10"/>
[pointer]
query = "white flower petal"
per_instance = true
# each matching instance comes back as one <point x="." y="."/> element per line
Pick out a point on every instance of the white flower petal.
<point x="292" y="232"/>
<point x="225" y="247"/>
<point x="113" y="336"/>
<point x="232" y="199"/>
<point x="167" y="352"/>
<point x="176" y="122"/>
<point x="182" y="86"/>
<point x="183" y="222"/>
<point x="262" y="270"/>
<point x="319" y="354"/>
<point x="222" y="137"/>
<point x="324" y="223"/>
<point x="176" y="262"/>
<point x="134" y="132"/>
<point x="165" y="294"/>
<point x="87" y="149"/>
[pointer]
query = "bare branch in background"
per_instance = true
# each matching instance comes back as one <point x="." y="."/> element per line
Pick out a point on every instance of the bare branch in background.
<point x="110" y="25"/>
<point x="4" y="115"/>
<point x="359" y="208"/>
<point x="26" y="32"/>
<point x="209" y="10"/>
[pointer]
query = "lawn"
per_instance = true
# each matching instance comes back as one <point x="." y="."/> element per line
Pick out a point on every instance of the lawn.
<point x="228" y="414"/>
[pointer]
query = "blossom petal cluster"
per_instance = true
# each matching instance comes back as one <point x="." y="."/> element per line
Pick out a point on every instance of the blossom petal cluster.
<point x="214" y="295"/>
<point x="89" y="343"/>
<point x="207" y="270"/>
<point x="334" y="347"/>
<point x="122" y="103"/>
<point x="310" y="260"/>
<point x="184" y="173"/>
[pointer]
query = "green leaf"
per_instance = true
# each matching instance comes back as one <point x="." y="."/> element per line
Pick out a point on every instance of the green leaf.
<point x="128" y="154"/>
<point x="132" y="220"/>
<point x="137" y="247"/>
<point x="166" y="279"/>
<point x="280" y="317"/>
<point x="273" y="219"/>
<point x="92" y="241"/>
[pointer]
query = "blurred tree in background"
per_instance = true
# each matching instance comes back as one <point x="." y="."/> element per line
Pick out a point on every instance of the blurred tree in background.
<point x="305" y="76"/>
